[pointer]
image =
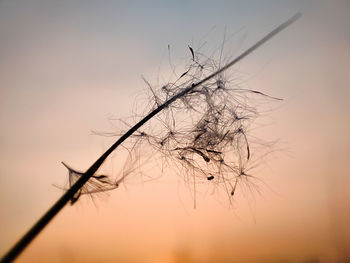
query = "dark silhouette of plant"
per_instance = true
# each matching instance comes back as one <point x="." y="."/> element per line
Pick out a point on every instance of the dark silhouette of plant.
<point x="203" y="122"/>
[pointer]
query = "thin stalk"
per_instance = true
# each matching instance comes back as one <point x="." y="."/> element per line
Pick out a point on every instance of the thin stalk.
<point x="14" y="252"/>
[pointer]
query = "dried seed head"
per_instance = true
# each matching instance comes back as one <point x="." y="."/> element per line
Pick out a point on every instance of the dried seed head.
<point x="206" y="119"/>
<point x="96" y="184"/>
<point x="206" y="131"/>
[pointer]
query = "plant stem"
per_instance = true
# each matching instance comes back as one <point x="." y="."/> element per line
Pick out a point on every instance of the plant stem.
<point x="46" y="218"/>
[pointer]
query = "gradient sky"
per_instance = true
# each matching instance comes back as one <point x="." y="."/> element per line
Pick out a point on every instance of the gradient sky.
<point x="66" y="66"/>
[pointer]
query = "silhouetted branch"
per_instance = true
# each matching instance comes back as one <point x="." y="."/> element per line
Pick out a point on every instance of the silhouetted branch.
<point x="209" y="137"/>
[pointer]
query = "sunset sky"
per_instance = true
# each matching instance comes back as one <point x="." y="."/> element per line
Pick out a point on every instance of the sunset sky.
<point x="67" y="67"/>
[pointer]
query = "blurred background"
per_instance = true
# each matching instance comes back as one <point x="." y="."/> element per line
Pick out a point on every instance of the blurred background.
<point x="68" y="66"/>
